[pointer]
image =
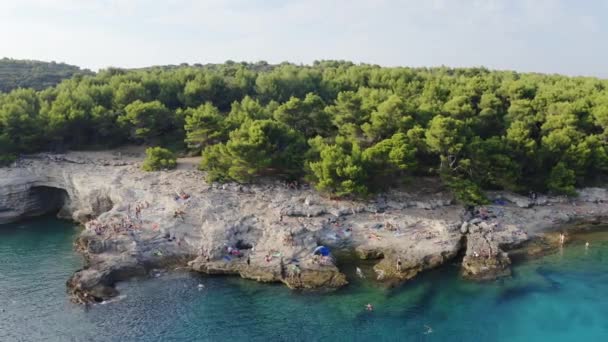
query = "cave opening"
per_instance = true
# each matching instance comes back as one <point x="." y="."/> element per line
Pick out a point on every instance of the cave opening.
<point x="45" y="200"/>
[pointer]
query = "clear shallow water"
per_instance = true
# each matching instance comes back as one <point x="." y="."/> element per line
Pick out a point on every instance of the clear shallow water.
<point x="561" y="297"/>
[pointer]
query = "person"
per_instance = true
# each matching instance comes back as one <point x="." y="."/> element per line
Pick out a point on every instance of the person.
<point x="398" y="264"/>
<point x="483" y="213"/>
<point x="369" y="307"/>
<point x="360" y="273"/>
<point x="248" y="261"/>
<point x="562" y="238"/>
<point x="428" y="329"/>
<point x="587" y="244"/>
<point x="282" y="266"/>
<point x="296" y="271"/>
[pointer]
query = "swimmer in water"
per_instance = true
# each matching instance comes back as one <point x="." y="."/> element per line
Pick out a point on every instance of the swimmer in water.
<point x="369" y="307"/>
<point x="587" y="244"/>
<point x="429" y="330"/>
<point x="360" y="273"/>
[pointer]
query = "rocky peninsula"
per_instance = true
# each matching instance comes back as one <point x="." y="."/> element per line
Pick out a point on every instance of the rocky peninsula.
<point x="138" y="222"/>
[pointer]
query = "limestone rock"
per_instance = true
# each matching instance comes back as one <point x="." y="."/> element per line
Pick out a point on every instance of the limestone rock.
<point x="484" y="258"/>
<point x="596" y="195"/>
<point x="464" y="228"/>
<point x="273" y="228"/>
<point x="520" y="201"/>
<point x="483" y="268"/>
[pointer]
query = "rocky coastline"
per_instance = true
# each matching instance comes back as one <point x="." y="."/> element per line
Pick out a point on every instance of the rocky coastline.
<point x="137" y="222"/>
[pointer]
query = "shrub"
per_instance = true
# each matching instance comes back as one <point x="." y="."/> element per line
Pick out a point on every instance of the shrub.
<point x="158" y="158"/>
<point x="6" y="159"/>
<point x="562" y="180"/>
<point x="466" y="191"/>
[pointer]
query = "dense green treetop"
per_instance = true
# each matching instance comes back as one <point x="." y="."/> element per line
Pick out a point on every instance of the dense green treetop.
<point x="349" y="129"/>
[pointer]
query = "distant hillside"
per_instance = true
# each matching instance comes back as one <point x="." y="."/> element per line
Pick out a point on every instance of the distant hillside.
<point x="16" y="73"/>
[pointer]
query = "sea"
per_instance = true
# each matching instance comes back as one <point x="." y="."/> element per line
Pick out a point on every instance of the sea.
<point x="559" y="297"/>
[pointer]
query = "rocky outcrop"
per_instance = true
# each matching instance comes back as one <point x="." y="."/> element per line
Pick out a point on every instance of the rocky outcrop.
<point x="430" y="246"/>
<point x="295" y="275"/>
<point x="484" y="259"/>
<point x="136" y="222"/>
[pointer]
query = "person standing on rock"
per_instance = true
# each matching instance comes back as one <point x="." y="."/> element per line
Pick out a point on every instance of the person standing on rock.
<point x="248" y="261"/>
<point x="282" y="265"/>
<point x="298" y="273"/>
<point x="398" y="264"/>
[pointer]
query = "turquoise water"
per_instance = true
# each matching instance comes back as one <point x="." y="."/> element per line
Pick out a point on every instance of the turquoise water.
<point x="561" y="297"/>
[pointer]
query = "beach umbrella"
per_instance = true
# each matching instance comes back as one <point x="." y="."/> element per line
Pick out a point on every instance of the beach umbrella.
<point x="321" y="250"/>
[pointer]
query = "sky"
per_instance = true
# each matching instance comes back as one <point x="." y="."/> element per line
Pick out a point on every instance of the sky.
<point x="550" y="36"/>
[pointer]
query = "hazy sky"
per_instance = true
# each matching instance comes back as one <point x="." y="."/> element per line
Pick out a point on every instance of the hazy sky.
<point x="561" y="36"/>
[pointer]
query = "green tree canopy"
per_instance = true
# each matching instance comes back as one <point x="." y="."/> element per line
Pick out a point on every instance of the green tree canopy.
<point x="340" y="168"/>
<point x="257" y="147"/>
<point x="307" y="115"/>
<point x="147" y="120"/>
<point x="204" y="126"/>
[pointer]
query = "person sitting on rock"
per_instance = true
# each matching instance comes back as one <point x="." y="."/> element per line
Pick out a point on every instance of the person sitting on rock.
<point x="288" y="239"/>
<point x="483" y="213"/>
<point x="178" y="213"/>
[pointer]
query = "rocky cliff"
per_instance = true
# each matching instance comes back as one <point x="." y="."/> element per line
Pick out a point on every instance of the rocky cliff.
<point x="136" y="222"/>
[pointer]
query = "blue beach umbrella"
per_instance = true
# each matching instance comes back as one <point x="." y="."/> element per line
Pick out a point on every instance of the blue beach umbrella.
<point x="321" y="250"/>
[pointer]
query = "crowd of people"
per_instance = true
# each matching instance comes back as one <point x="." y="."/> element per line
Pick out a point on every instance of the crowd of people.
<point x="123" y="224"/>
<point x="114" y="226"/>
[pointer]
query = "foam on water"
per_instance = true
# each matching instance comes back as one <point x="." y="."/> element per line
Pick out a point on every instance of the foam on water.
<point x="560" y="297"/>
